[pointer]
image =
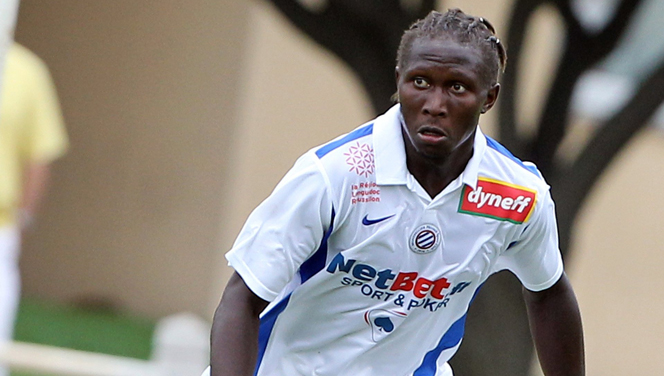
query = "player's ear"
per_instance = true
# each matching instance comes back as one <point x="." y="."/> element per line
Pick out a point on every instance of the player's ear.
<point x="491" y="97"/>
<point x="395" y="96"/>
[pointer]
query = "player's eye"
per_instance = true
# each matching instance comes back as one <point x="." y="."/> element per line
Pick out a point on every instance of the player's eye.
<point x="458" y="88"/>
<point x="421" y="83"/>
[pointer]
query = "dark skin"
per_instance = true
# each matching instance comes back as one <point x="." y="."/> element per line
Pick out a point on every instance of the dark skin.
<point x="442" y="96"/>
<point x="234" y="339"/>
<point x="555" y="324"/>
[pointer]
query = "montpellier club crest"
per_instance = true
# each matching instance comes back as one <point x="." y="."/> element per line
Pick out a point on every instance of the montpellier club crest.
<point x="425" y="239"/>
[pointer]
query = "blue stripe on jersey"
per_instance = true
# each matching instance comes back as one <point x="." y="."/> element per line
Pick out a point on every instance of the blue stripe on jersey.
<point x="361" y="132"/>
<point x="265" y="329"/>
<point x="495" y="145"/>
<point x="450" y="339"/>
<point x="316" y="262"/>
<point x="308" y="269"/>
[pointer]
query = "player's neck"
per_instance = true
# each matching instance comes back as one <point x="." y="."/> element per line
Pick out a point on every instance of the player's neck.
<point x="434" y="174"/>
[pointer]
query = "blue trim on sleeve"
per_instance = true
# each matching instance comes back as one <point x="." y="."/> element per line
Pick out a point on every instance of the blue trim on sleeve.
<point x="495" y="145"/>
<point x="450" y="339"/>
<point x="361" y="132"/>
<point x="316" y="262"/>
<point x="265" y="330"/>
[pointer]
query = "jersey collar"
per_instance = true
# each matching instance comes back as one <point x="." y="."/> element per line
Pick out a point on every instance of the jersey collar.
<point x="390" y="151"/>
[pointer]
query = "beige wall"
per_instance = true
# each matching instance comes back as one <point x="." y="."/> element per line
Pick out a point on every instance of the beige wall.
<point x="149" y="90"/>
<point x="618" y="258"/>
<point x="184" y="118"/>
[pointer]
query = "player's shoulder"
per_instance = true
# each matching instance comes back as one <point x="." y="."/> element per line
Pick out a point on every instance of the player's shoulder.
<point x="340" y="144"/>
<point x="500" y="164"/>
<point x="507" y="188"/>
<point x="350" y="152"/>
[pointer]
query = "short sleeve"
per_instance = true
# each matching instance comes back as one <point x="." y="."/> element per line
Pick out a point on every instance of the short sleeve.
<point x="45" y="138"/>
<point x="535" y="256"/>
<point x="283" y="231"/>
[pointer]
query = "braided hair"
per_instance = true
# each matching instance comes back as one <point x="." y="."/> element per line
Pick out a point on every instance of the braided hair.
<point x="468" y="30"/>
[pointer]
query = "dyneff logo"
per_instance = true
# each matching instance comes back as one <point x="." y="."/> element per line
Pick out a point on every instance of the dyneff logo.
<point x="498" y="200"/>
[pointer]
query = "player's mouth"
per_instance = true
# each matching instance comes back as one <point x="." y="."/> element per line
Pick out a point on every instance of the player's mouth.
<point x="431" y="134"/>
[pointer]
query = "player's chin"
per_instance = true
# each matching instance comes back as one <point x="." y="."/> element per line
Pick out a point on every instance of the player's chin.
<point x="435" y="152"/>
<point x="434" y="140"/>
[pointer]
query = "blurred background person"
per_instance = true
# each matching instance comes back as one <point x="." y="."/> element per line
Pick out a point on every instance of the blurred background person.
<point x="32" y="136"/>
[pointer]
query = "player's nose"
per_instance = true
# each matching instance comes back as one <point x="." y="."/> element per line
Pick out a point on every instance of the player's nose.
<point x="436" y="103"/>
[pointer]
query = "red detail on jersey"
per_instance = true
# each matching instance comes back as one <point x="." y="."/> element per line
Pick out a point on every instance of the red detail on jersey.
<point x="404" y="281"/>
<point x="360" y="158"/>
<point x="365" y="191"/>
<point x="438" y="286"/>
<point x="498" y="200"/>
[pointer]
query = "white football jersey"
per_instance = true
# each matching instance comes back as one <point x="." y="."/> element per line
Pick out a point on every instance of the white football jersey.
<point x="369" y="275"/>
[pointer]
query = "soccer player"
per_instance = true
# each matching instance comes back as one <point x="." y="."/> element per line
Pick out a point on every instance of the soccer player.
<point x="365" y="258"/>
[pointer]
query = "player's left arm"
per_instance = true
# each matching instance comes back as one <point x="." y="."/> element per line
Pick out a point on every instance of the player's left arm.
<point x="555" y="324"/>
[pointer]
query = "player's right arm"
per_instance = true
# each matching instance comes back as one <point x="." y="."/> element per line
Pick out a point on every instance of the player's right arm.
<point x="277" y="238"/>
<point x="234" y="339"/>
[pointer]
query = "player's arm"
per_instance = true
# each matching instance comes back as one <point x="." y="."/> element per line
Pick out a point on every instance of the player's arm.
<point x="555" y="324"/>
<point x="234" y="339"/>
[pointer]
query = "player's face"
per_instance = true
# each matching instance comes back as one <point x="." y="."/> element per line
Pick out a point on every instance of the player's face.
<point x="442" y="95"/>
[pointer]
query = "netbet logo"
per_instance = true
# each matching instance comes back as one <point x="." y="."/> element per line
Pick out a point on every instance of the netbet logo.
<point x="387" y="285"/>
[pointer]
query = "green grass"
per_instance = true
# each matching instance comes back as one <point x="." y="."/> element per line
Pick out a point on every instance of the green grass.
<point x="23" y="373"/>
<point x="83" y="329"/>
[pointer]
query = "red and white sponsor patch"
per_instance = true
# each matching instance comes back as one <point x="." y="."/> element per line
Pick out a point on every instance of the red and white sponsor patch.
<point x="498" y="200"/>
